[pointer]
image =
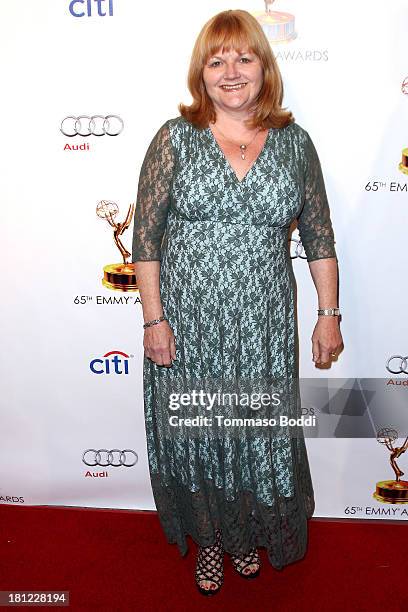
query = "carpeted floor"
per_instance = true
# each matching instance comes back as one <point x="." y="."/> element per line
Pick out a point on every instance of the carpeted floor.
<point x="119" y="561"/>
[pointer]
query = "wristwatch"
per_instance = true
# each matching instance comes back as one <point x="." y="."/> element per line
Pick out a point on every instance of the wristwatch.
<point x="335" y="312"/>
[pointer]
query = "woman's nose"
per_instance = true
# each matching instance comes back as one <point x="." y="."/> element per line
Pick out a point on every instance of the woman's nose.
<point x="231" y="71"/>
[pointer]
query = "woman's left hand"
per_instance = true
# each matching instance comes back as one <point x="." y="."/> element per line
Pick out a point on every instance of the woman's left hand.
<point x="326" y="339"/>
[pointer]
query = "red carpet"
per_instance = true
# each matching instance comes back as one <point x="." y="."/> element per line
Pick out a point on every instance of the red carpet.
<point x="120" y="561"/>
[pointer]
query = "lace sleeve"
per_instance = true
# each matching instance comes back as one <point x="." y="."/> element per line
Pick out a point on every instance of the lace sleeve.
<point x="152" y="200"/>
<point x="314" y="223"/>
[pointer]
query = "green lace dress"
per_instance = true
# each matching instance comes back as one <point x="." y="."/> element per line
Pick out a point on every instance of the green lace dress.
<point x="228" y="291"/>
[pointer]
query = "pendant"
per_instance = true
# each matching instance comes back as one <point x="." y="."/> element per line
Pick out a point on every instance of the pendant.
<point x="243" y="150"/>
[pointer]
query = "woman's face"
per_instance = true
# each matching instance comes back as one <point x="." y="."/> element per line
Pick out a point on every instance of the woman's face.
<point x="233" y="80"/>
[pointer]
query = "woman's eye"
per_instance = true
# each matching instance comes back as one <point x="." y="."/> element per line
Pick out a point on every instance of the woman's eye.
<point x="216" y="63"/>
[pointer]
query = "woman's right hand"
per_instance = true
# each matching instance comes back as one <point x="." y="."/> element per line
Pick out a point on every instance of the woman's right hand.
<point x="160" y="344"/>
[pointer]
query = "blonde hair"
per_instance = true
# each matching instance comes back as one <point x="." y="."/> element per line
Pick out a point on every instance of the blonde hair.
<point x="235" y="29"/>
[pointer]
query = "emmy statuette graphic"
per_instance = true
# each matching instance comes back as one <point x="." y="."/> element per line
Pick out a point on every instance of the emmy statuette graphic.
<point x="403" y="166"/>
<point x="279" y="27"/>
<point x="118" y="276"/>
<point x="392" y="491"/>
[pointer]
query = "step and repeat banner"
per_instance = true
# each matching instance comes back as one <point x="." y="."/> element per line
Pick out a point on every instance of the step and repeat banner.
<point x="86" y="85"/>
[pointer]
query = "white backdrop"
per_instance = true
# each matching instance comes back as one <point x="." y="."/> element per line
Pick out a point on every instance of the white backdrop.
<point x="343" y="77"/>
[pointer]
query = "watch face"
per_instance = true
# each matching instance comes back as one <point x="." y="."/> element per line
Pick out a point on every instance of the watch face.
<point x="329" y="311"/>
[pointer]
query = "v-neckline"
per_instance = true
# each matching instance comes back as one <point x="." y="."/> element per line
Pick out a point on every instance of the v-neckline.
<point x="227" y="163"/>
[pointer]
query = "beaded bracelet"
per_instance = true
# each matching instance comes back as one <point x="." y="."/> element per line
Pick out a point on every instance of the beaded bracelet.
<point x="154" y="322"/>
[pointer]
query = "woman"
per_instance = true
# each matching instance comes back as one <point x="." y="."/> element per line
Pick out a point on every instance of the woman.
<point x="218" y="190"/>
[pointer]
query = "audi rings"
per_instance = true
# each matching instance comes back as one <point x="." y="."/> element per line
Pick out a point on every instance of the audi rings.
<point x="113" y="458"/>
<point x="400" y="364"/>
<point x="96" y="125"/>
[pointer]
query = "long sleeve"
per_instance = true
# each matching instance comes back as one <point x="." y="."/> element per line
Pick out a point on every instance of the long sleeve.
<point x="314" y="223"/>
<point x="153" y="198"/>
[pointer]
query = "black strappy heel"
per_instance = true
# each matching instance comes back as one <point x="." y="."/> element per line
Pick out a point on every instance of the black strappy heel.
<point x="210" y="566"/>
<point x="240" y="563"/>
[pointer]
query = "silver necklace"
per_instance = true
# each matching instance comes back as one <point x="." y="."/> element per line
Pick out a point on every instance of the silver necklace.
<point x="243" y="147"/>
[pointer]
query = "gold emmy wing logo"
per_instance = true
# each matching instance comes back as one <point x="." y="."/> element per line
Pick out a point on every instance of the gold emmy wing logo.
<point x="404" y="162"/>
<point x="118" y="276"/>
<point x="392" y="491"/>
<point x="278" y="27"/>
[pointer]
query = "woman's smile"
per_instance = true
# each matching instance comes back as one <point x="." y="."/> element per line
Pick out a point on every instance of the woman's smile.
<point x="235" y="87"/>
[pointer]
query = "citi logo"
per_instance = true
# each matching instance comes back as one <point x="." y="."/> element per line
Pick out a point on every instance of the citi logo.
<point x="91" y="8"/>
<point x="114" y="362"/>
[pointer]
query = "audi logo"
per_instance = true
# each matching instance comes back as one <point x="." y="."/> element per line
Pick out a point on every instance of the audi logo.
<point x="296" y="249"/>
<point x="114" y="457"/>
<point x="97" y="125"/>
<point x="399" y="365"/>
